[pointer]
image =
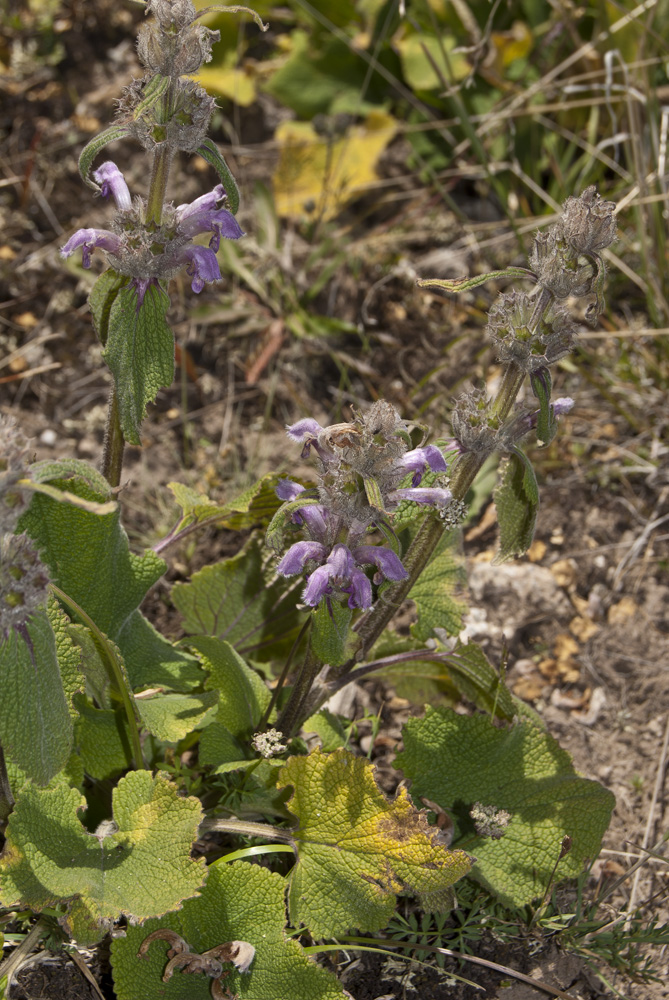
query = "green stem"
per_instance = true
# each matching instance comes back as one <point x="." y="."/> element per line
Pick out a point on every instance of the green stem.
<point x="114" y="669"/>
<point x="505" y="399"/>
<point x="162" y="159"/>
<point x="114" y="443"/>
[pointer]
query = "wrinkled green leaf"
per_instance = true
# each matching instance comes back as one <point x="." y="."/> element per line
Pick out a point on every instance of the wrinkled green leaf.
<point x="139" y="352"/>
<point x="172" y="716"/>
<point x="239" y="902"/>
<point x="92" y="148"/>
<point x="90" y="561"/>
<point x="35" y="722"/>
<point x="68" y="652"/>
<point x="328" y="728"/>
<point x="255" y="505"/>
<point x="542" y="383"/>
<point x="356" y="851"/>
<point x="517" y="501"/>
<point x="210" y="152"/>
<point x="433" y="591"/>
<point x="242" y="694"/>
<point x="50" y="857"/>
<point x="242" y="601"/>
<point x="466" y="282"/>
<point x="101" y="300"/>
<point x="457" y="761"/>
<point x="101" y="740"/>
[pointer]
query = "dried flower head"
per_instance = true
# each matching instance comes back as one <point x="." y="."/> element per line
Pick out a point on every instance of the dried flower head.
<point x="14" y="449"/>
<point x="527" y="337"/>
<point x="475" y="426"/>
<point x="23" y="581"/>
<point x="588" y="223"/>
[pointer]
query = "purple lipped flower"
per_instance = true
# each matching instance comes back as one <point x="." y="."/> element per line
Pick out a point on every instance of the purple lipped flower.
<point x="434" y="496"/>
<point x="387" y="562"/>
<point x="421" y="459"/>
<point x="112" y="182"/>
<point x="204" y="215"/>
<point x="298" y="555"/>
<point x="88" y="240"/>
<point x="202" y="265"/>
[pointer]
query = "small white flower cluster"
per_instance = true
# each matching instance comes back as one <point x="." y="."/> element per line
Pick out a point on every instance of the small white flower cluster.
<point x="268" y="744"/>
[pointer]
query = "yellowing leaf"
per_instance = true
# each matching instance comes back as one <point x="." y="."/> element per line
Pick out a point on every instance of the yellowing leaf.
<point x="315" y="177"/>
<point x="228" y="81"/>
<point x="356" y="850"/>
<point x="513" y="44"/>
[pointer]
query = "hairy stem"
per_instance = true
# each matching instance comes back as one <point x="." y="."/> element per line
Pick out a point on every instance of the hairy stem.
<point x="114" y="443"/>
<point x="291" y="714"/>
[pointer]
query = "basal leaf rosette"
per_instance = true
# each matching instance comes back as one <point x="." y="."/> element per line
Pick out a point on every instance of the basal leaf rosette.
<point x="240" y="901"/>
<point x="467" y="765"/>
<point x="356" y="850"/>
<point x="140" y="865"/>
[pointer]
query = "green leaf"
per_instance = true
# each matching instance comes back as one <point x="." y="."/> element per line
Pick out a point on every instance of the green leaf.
<point x="476" y="678"/>
<point x="242" y="601"/>
<point x="89" y="560"/>
<point x="466" y="282"/>
<point x="50" y="857"/>
<point x="331" y="641"/>
<point x="241" y="902"/>
<point x="35" y="722"/>
<point x="102" y="740"/>
<point x="139" y="352"/>
<point x="433" y="590"/>
<point x="68" y="652"/>
<point x="172" y="716"/>
<point x="356" y="851"/>
<point x="255" y="505"/>
<point x="92" y="148"/>
<point x="282" y="519"/>
<point x="458" y="761"/>
<point x="210" y="152"/>
<point x="242" y="694"/>
<point x="429" y="63"/>
<point x="542" y="383"/>
<point x="328" y="728"/>
<point x="219" y="749"/>
<point x="373" y="493"/>
<point x="517" y="500"/>
<point x="101" y="300"/>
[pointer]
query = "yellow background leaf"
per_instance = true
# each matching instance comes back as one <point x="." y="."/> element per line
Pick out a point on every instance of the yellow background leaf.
<point x="314" y="177"/>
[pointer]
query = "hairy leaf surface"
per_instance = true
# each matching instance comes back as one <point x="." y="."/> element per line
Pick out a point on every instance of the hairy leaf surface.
<point x="458" y="761"/>
<point x="142" y="870"/>
<point x="90" y="560"/>
<point x="356" y="850"/>
<point x="239" y="902"/>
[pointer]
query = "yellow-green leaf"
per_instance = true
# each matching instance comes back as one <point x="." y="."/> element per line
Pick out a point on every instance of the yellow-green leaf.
<point x="356" y="850"/>
<point x="315" y="177"/>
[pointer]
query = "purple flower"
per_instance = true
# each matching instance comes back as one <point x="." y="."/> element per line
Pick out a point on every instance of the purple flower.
<point x="203" y="216"/>
<point x="340" y="570"/>
<point x="388" y="564"/>
<point x="298" y="555"/>
<point x="432" y="495"/>
<point x="88" y="239"/>
<point x="202" y="266"/>
<point x="112" y="182"/>
<point x="421" y="459"/>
